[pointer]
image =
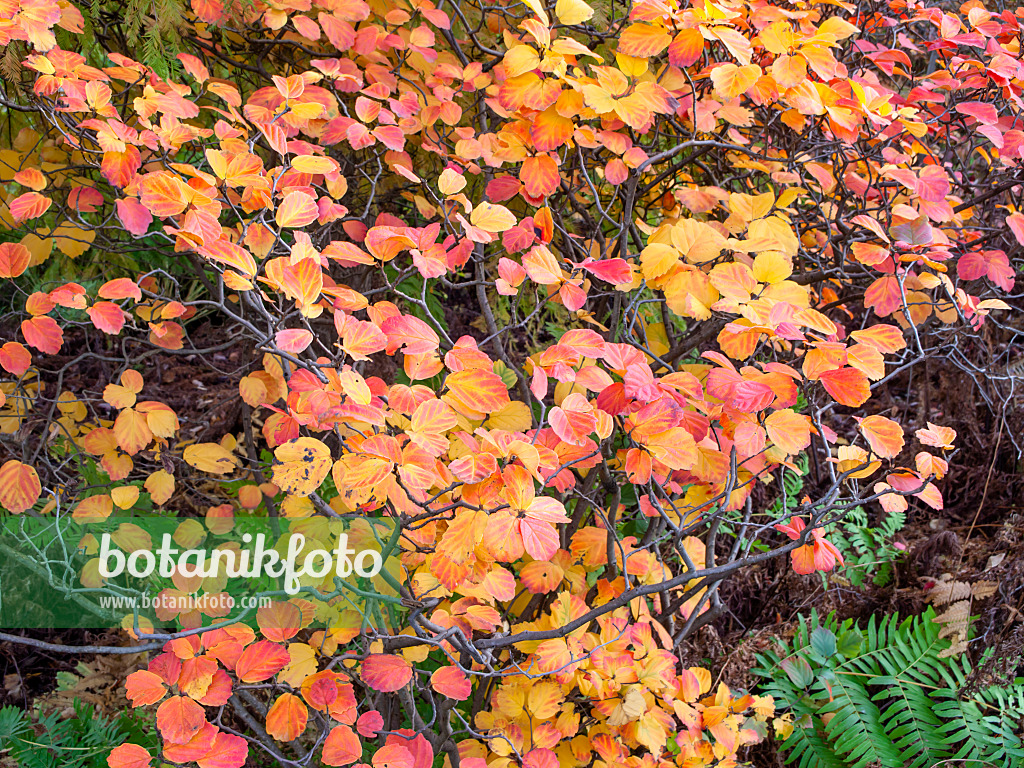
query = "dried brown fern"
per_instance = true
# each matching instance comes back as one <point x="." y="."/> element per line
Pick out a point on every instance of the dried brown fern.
<point x="959" y="596"/>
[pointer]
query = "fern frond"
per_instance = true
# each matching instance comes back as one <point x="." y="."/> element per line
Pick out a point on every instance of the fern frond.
<point x="886" y="695"/>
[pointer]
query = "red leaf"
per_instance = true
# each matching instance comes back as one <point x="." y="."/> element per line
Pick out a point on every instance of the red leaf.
<point x="134" y="215"/>
<point x="614" y="271"/>
<point x="14" y="358"/>
<point x="229" y="751"/>
<point x="106" y="316"/>
<point x="293" y="339"/>
<point x="386" y="673"/>
<point x="261" y="661"/>
<point x="451" y="682"/>
<point x="847" y="386"/>
<point x="686" y="48"/>
<point x="985" y="113"/>
<point x="370" y="723"/>
<point x="43" y="333"/>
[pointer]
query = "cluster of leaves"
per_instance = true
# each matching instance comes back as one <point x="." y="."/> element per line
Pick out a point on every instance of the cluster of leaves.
<point x="866" y="551"/>
<point x="747" y="218"/>
<point x="883" y="695"/>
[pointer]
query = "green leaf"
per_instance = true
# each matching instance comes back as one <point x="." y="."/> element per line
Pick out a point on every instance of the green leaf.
<point x="824" y="642"/>
<point x="799" y="671"/>
<point x="850" y="643"/>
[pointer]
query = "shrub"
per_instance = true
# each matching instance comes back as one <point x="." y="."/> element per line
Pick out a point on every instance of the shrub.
<point x="534" y="296"/>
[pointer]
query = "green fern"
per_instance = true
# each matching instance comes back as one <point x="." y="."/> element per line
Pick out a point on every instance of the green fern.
<point x="882" y="696"/>
<point x="868" y="550"/>
<point x="81" y="741"/>
<point x="789" y="494"/>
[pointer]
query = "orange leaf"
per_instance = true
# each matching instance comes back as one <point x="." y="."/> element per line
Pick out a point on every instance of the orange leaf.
<point x="341" y="747"/>
<point x="848" y="386"/>
<point x="14" y="259"/>
<point x="451" y="682"/>
<point x="228" y="751"/>
<point x="19" y="486"/>
<point x="936" y="436"/>
<point x="476" y="391"/>
<point x="884" y="338"/>
<point x="393" y="756"/>
<point x="120" y="288"/>
<point x="574" y="419"/>
<point x="163" y="195"/>
<point x="132" y="431"/>
<point x="43" y="333"/>
<point x="279" y="621"/>
<point x="643" y="40"/>
<point x="129" y="756"/>
<point x="144" y="687"/>
<point x="550" y="130"/>
<point x="386" y="673"/>
<point x="884" y="435"/>
<point x="31" y="205"/>
<point x="539" y="175"/>
<point x="261" y="661"/>
<point x="296" y="210"/>
<point x="686" y="48"/>
<point x="287" y="717"/>
<point x="179" y="719"/>
<point x="360" y="339"/>
<point x="788" y="430"/>
<point x="730" y="80"/>
<point x="320" y="690"/>
<point x="107" y="316"/>
<point x="409" y="332"/>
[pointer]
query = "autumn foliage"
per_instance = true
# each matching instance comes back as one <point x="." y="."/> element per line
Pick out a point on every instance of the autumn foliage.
<point x="694" y="242"/>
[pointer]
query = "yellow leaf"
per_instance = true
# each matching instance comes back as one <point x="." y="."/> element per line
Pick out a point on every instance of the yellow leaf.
<point x="72" y="240"/>
<point x="573" y="11"/>
<point x="730" y="80"/>
<point x="518" y="60"/>
<point x="124" y="496"/>
<point x="771" y="267"/>
<point x="492" y="218"/>
<point x="513" y="416"/>
<point x="302" y="464"/>
<point x="210" y="457"/>
<point x="657" y="259"/>
<point x="302" y="663"/>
